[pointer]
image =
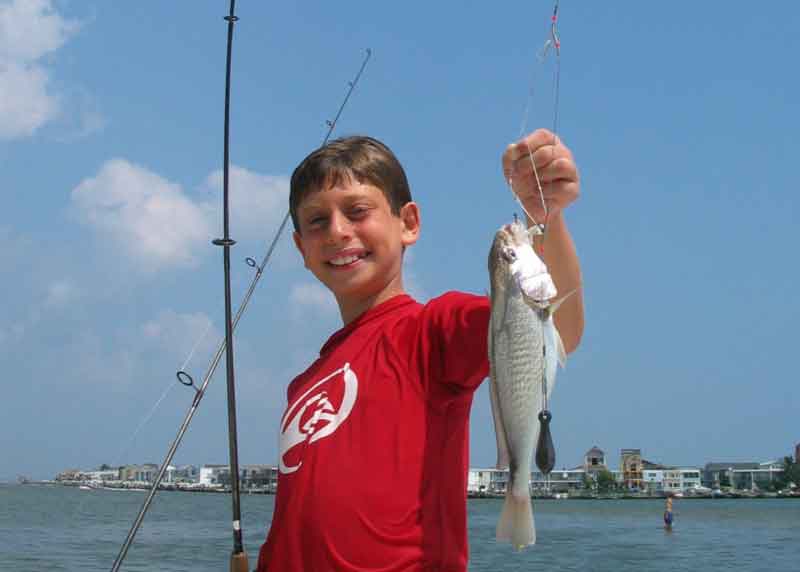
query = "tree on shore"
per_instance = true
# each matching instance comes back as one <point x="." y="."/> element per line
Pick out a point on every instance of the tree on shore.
<point x="605" y="481"/>
<point x="791" y="472"/>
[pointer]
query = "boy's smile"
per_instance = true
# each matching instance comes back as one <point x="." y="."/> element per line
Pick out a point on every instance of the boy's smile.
<point x="353" y="243"/>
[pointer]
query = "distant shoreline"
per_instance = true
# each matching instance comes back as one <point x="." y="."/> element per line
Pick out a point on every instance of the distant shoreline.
<point x="194" y="488"/>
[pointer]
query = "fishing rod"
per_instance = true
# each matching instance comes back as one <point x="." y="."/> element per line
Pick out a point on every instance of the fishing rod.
<point x="238" y="561"/>
<point x="187" y="380"/>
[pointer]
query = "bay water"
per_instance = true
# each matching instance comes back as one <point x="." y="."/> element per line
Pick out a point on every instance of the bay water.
<point x="67" y="529"/>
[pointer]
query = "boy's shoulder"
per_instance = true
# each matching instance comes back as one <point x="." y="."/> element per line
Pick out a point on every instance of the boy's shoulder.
<point x="405" y="335"/>
<point x="403" y="319"/>
<point x="397" y="315"/>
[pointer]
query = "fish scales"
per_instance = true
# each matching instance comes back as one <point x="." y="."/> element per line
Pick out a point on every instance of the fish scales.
<point x="523" y="348"/>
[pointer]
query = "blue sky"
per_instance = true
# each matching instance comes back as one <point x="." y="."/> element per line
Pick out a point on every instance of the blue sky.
<point x="683" y="118"/>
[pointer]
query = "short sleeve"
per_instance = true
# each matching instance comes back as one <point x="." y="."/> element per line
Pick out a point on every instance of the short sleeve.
<point x="454" y="341"/>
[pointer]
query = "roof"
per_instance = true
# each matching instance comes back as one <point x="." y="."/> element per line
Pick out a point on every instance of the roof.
<point x="595" y="451"/>
<point x="631" y="451"/>
<point x="654" y="466"/>
<point x="735" y="466"/>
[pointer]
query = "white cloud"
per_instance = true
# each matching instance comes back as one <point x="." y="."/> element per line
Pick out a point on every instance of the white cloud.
<point x="257" y="202"/>
<point x="29" y="30"/>
<point x="25" y="104"/>
<point x="149" y="218"/>
<point x="312" y="297"/>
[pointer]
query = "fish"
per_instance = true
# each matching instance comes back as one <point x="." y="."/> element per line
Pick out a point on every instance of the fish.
<point x="525" y="351"/>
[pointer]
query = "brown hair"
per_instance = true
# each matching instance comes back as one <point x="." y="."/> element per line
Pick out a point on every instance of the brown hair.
<point x="362" y="158"/>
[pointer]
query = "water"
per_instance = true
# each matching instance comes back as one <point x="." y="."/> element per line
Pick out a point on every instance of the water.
<point x="64" y="528"/>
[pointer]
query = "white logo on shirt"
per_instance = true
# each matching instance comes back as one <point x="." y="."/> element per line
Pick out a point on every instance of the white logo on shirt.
<point x="324" y="418"/>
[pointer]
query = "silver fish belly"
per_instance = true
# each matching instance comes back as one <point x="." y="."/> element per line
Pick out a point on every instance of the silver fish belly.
<point x="524" y="351"/>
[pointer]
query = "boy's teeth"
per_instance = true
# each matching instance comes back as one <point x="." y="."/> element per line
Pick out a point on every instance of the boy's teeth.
<point x="342" y="260"/>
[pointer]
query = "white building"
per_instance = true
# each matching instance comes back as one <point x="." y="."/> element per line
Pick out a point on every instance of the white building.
<point x="487" y="481"/>
<point x="653" y="480"/>
<point x="103" y="475"/>
<point x="214" y="474"/>
<point x="140" y="473"/>
<point x="671" y="480"/>
<point x="691" y="478"/>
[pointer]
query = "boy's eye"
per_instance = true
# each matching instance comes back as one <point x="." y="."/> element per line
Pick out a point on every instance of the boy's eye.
<point x="316" y="220"/>
<point x="358" y="211"/>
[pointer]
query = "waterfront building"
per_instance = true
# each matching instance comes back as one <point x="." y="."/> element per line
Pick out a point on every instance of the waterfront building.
<point x="630" y="467"/>
<point x="215" y="475"/>
<point x="260" y="477"/>
<point x="170" y="474"/>
<point x="188" y="474"/>
<point x="594" y="461"/>
<point x="102" y="475"/>
<point x="486" y="481"/>
<point x="139" y="473"/>
<point x="690" y="478"/>
<point x="653" y="480"/>
<point x="558" y="481"/>
<point x="71" y="475"/>
<point x="672" y="481"/>
<point x="182" y="474"/>
<point x="494" y="481"/>
<point x="742" y="476"/>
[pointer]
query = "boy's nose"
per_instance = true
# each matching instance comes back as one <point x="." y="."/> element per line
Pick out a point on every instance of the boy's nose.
<point x="340" y="227"/>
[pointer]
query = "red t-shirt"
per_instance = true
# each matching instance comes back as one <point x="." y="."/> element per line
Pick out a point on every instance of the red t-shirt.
<point x="375" y="442"/>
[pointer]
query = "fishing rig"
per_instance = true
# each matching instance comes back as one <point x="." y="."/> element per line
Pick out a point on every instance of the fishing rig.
<point x="238" y="562"/>
<point x="545" y="450"/>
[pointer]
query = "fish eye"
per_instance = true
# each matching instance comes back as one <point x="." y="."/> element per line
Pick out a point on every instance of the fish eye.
<point x="509" y="254"/>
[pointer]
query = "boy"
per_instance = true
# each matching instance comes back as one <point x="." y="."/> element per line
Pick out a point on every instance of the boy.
<point x="374" y="442"/>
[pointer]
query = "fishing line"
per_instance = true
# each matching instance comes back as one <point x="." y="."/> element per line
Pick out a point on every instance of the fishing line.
<point x="184" y="377"/>
<point x="545" y="451"/>
<point x="554" y="43"/>
<point x="117" y="462"/>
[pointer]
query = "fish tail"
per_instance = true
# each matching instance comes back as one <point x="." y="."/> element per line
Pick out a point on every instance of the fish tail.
<point x="516" y="521"/>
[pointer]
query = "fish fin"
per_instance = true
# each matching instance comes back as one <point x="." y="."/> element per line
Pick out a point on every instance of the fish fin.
<point x="516" y="522"/>
<point x="556" y="304"/>
<point x="503" y="457"/>
<point x="562" y="351"/>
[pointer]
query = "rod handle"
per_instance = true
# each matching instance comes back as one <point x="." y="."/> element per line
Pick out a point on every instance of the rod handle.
<point x="239" y="562"/>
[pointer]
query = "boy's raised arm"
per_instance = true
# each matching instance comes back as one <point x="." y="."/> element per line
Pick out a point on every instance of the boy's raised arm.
<point x="542" y="155"/>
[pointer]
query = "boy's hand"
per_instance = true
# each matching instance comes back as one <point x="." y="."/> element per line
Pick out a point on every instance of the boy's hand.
<point x="555" y="167"/>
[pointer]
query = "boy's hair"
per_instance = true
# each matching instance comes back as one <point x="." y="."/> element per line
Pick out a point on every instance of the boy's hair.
<point x="358" y="157"/>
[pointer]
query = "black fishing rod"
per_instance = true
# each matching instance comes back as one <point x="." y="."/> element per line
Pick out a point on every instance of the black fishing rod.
<point x="238" y="555"/>
<point x="186" y="379"/>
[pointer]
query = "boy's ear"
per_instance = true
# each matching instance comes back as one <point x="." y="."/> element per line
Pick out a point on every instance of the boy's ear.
<point x="410" y="217"/>
<point x="299" y="245"/>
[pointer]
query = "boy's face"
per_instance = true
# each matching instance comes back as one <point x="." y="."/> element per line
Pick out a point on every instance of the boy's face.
<point x="352" y="243"/>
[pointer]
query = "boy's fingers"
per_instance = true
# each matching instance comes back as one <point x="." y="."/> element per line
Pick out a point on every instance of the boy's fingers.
<point x="558" y="170"/>
<point x="531" y="143"/>
<point x="545" y="158"/>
